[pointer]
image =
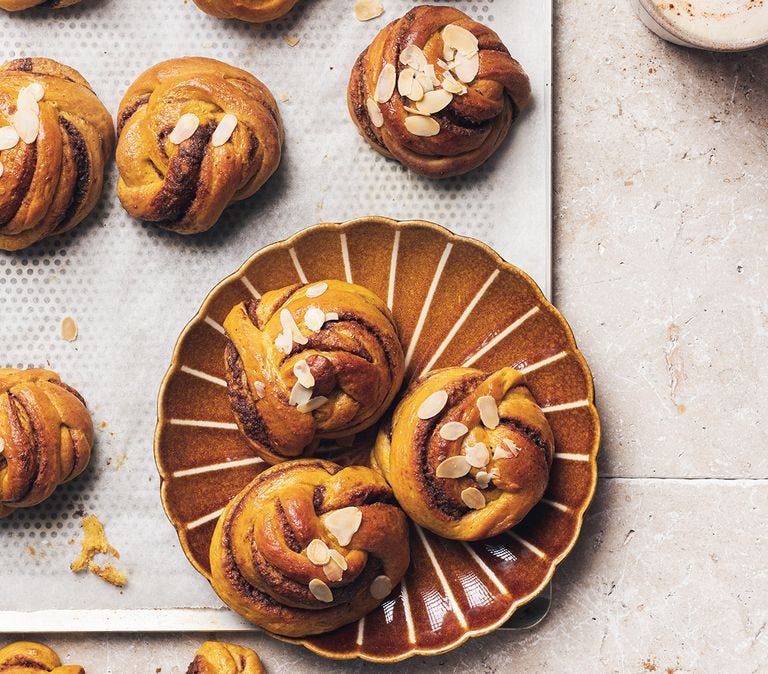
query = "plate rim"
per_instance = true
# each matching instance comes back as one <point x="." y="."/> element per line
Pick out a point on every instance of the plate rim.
<point x="392" y="224"/>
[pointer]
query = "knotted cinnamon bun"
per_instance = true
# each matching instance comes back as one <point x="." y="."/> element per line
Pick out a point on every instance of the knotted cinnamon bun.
<point x="437" y="91"/>
<point x="46" y="436"/>
<point x="308" y="547"/>
<point x="18" y="5"/>
<point x="25" y="657"/>
<point x="310" y="362"/>
<point x="254" y="11"/>
<point x="55" y="139"/>
<point x="195" y="135"/>
<point x="468" y="453"/>
<point x="215" y="657"/>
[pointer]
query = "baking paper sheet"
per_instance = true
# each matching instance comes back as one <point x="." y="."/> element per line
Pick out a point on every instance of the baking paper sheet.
<point x="132" y="287"/>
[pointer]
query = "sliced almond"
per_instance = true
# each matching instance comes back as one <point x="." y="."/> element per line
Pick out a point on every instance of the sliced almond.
<point x="429" y="70"/>
<point x="385" y="84"/>
<point x="317" y="552"/>
<point x="433" y="405"/>
<point x="414" y="111"/>
<point x="365" y="10"/>
<point x="68" y="329"/>
<point x="478" y="455"/>
<point x="2" y="169"/>
<point x="37" y="90"/>
<point x="260" y="388"/>
<point x="224" y="130"/>
<point x="292" y="40"/>
<point x="459" y="39"/>
<point x="340" y="559"/>
<point x="450" y="83"/>
<point x="303" y="374"/>
<point x="314" y="318"/>
<point x="333" y="571"/>
<point x="381" y="587"/>
<point x="501" y="453"/>
<point x="320" y="591"/>
<point x="434" y="101"/>
<point x="374" y="112"/>
<point x="9" y="137"/>
<point x="185" y="128"/>
<point x="467" y="67"/>
<point x="289" y="326"/>
<point x="473" y="498"/>
<point x="27" y="125"/>
<point x="344" y="523"/>
<point x="2" y="446"/>
<point x="405" y="81"/>
<point x="483" y="479"/>
<point x="316" y="290"/>
<point x="284" y="342"/>
<point x="489" y="411"/>
<point x="417" y="91"/>
<point x="453" y="468"/>
<point x="27" y="101"/>
<point x="425" y="81"/>
<point x="513" y="449"/>
<point x="422" y="126"/>
<point x="300" y="395"/>
<point x="414" y="57"/>
<point x="331" y="316"/>
<point x="453" y="430"/>
<point x="312" y="404"/>
<point x="285" y="98"/>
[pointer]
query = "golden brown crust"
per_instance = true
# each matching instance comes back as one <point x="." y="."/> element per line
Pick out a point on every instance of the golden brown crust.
<point x="260" y="562"/>
<point x="46" y="435"/>
<point x="215" y="657"/>
<point x="409" y="452"/>
<point x="472" y="126"/>
<point x="26" y="657"/>
<point x="18" y="5"/>
<point x="254" y="11"/>
<point x="185" y="187"/>
<point x="51" y="184"/>
<point x="354" y="356"/>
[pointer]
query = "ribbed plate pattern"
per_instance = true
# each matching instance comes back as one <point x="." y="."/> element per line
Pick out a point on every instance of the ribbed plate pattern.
<point x="456" y="302"/>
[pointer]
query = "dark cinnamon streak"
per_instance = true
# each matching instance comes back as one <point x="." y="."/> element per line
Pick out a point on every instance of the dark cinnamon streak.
<point x="82" y="166"/>
<point x="128" y="112"/>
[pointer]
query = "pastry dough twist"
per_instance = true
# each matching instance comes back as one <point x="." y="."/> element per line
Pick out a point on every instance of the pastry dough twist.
<point x="473" y="124"/>
<point x="308" y="547"/>
<point x="254" y="11"/>
<point x="18" y="5"/>
<point x="342" y="343"/>
<point x="498" y="464"/>
<point x="25" y="657"/>
<point x="46" y="435"/>
<point x="215" y="657"/>
<point x="49" y="184"/>
<point x="186" y="185"/>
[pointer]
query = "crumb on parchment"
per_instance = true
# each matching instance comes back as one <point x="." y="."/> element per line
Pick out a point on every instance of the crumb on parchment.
<point x="95" y="543"/>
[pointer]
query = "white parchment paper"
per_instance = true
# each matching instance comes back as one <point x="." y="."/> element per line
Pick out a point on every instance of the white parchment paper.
<point x="132" y="287"/>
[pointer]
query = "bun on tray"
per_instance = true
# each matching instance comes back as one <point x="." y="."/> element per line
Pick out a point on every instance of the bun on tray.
<point x="437" y="91"/>
<point x="254" y="11"/>
<point x="55" y="140"/>
<point x="310" y="362"/>
<point x="26" y="657"/>
<point x="309" y="546"/>
<point x="194" y="136"/>
<point x="46" y="435"/>
<point x="468" y="453"/>
<point x="215" y="657"/>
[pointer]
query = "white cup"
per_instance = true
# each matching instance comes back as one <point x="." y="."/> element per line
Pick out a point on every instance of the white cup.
<point x="715" y="25"/>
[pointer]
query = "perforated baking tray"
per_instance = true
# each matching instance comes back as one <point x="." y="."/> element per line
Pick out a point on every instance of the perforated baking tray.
<point x="132" y="287"/>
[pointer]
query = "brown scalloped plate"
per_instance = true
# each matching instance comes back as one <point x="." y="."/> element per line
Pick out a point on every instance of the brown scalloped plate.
<point x="455" y="302"/>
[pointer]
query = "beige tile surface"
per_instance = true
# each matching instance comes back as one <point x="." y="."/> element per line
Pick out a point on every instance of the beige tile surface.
<point x="661" y="245"/>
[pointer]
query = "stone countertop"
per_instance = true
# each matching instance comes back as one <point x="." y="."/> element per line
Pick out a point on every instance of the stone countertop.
<point x="661" y="203"/>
